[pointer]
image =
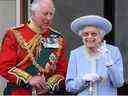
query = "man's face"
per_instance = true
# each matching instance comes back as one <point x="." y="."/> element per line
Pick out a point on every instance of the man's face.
<point x="44" y="15"/>
<point x="91" y="37"/>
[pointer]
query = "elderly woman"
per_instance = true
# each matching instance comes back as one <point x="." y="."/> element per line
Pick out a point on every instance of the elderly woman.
<point x="95" y="68"/>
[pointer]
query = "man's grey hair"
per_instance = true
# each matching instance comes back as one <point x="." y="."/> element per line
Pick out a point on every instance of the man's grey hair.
<point x="35" y="5"/>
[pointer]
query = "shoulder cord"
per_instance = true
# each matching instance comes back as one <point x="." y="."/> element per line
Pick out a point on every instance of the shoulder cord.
<point x="30" y="46"/>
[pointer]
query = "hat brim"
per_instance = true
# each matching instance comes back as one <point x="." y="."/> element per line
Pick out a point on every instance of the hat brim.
<point x="93" y="20"/>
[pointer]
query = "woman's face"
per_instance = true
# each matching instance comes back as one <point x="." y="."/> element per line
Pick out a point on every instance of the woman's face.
<point x="91" y="36"/>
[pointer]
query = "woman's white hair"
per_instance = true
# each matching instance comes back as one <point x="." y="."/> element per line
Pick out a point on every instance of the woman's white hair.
<point x="102" y="32"/>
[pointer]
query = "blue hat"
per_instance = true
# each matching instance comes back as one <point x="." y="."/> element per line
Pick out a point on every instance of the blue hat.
<point x="93" y="20"/>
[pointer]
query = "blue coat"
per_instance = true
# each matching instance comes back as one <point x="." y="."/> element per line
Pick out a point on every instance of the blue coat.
<point x="80" y="63"/>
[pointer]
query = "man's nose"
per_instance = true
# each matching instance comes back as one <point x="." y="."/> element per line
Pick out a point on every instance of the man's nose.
<point x="49" y="17"/>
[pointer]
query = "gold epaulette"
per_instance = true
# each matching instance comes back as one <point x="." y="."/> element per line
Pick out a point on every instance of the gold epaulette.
<point x="17" y="27"/>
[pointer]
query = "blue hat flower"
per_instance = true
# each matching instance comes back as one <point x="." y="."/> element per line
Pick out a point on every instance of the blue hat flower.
<point x="91" y="20"/>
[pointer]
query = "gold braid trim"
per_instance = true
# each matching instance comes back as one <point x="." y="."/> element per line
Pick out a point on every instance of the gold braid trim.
<point x="54" y="82"/>
<point x="20" y="74"/>
<point x="30" y="49"/>
<point x="30" y="46"/>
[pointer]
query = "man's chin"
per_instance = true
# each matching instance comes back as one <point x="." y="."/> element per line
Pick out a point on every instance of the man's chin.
<point x="45" y="28"/>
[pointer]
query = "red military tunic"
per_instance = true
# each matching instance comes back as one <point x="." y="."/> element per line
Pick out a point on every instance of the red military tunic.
<point x="12" y="53"/>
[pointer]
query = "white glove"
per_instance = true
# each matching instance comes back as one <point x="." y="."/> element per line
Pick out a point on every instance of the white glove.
<point x="93" y="77"/>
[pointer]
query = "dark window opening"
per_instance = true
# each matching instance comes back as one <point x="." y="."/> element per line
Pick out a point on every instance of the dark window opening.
<point x="109" y="13"/>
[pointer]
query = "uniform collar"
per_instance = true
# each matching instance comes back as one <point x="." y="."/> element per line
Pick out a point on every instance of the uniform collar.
<point x="32" y="25"/>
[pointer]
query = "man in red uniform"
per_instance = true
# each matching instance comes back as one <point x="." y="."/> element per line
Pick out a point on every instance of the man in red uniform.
<point x="32" y="57"/>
